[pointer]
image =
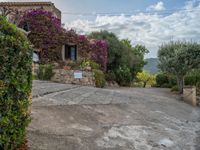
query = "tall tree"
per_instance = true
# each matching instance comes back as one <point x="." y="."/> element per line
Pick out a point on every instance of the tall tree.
<point x="178" y="58"/>
<point x="137" y="54"/>
<point x="114" y="46"/>
<point x="121" y="53"/>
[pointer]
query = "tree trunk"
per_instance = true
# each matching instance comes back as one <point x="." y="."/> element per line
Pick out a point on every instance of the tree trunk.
<point x="180" y="82"/>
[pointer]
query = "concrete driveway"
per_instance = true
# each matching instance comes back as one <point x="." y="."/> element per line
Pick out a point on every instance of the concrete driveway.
<point x="70" y="117"/>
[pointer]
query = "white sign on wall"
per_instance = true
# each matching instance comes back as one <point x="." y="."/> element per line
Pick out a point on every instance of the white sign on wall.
<point x="78" y="75"/>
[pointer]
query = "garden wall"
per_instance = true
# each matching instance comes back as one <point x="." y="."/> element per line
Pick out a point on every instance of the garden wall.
<point x="189" y="95"/>
<point x="67" y="76"/>
<point x="35" y="69"/>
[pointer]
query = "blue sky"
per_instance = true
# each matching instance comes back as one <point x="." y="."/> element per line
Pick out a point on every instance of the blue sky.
<point x="147" y="22"/>
<point x="109" y="6"/>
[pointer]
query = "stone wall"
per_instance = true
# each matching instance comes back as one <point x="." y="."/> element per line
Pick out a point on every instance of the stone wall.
<point x="35" y="69"/>
<point x="67" y="76"/>
<point x="189" y="95"/>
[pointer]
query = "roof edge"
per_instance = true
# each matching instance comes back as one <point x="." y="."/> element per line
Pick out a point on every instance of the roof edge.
<point x="26" y="3"/>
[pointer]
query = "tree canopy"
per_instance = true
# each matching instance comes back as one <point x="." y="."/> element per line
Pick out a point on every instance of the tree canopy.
<point x="179" y="58"/>
<point x="146" y="78"/>
<point x="121" y="53"/>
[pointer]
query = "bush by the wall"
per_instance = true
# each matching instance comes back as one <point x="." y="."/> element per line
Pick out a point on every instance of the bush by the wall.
<point x="161" y="79"/>
<point x="15" y="88"/>
<point x="110" y="76"/>
<point x="165" y="80"/>
<point x="174" y="88"/>
<point x="192" y="80"/>
<point x="90" y="63"/>
<point x="99" y="78"/>
<point x="94" y="65"/>
<point x="45" y="72"/>
<point x="123" y="76"/>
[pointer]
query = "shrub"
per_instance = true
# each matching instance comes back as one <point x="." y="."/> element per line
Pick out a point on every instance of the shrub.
<point x="166" y="85"/>
<point x="162" y="79"/>
<point x="165" y="80"/>
<point x="90" y="63"/>
<point x="94" y="65"/>
<point x="174" y="88"/>
<point x="123" y="76"/>
<point x="172" y="80"/>
<point x="45" y="72"/>
<point x="84" y="64"/>
<point x="15" y="88"/>
<point x="34" y="77"/>
<point x="192" y="80"/>
<point x="146" y="78"/>
<point x="99" y="78"/>
<point x="110" y="76"/>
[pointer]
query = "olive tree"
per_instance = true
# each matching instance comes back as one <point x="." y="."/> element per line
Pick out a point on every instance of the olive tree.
<point x="146" y="78"/>
<point x="178" y="58"/>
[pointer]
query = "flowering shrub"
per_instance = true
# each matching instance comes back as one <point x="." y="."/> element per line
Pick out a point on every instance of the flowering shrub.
<point x="96" y="50"/>
<point x="70" y="36"/>
<point x="46" y="33"/>
<point x="100" y="53"/>
<point x="48" y="36"/>
<point x="84" y="47"/>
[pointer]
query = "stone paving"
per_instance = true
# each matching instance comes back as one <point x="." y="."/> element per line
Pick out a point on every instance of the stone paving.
<point x="71" y="117"/>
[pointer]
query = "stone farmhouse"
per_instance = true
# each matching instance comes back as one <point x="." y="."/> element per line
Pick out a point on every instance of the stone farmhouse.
<point x="69" y="51"/>
<point x="23" y="6"/>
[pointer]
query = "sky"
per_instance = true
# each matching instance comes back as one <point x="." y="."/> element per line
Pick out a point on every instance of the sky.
<point x="147" y="22"/>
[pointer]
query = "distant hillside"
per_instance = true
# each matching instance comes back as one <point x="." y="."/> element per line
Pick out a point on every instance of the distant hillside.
<point x="152" y="65"/>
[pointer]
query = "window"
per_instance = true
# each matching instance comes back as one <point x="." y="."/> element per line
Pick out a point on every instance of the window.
<point x="26" y="27"/>
<point x="71" y="52"/>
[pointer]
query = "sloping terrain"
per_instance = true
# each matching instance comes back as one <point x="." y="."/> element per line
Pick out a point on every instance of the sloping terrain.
<point x="70" y="117"/>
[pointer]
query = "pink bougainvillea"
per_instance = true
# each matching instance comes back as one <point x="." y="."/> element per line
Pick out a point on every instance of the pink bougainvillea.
<point x="48" y="36"/>
<point x="46" y="33"/>
<point x="96" y="50"/>
<point x="100" y="53"/>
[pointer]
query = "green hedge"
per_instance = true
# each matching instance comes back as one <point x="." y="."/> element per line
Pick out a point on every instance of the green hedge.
<point x="192" y="80"/>
<point x="15" y="85"/>
<point x="123" y="76"/>
<point x="99" y="78"/>
<point x="165" y="80"/>
<point x="45" y="72"/>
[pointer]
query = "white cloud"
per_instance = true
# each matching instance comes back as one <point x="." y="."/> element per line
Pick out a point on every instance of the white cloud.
<point x="157" y="7"/>
<point x="147" y="29"/>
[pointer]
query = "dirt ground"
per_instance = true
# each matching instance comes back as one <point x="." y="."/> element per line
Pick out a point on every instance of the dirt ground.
<point x="70" y="117"/>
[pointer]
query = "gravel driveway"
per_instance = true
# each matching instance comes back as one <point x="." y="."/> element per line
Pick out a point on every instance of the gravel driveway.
<point x="70" y="117"/>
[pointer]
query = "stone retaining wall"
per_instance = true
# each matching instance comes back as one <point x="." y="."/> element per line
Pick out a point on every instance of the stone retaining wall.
<point x="67" y="76"/>
<point x="35" y="69"/>
<point x="189" y="95"/>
